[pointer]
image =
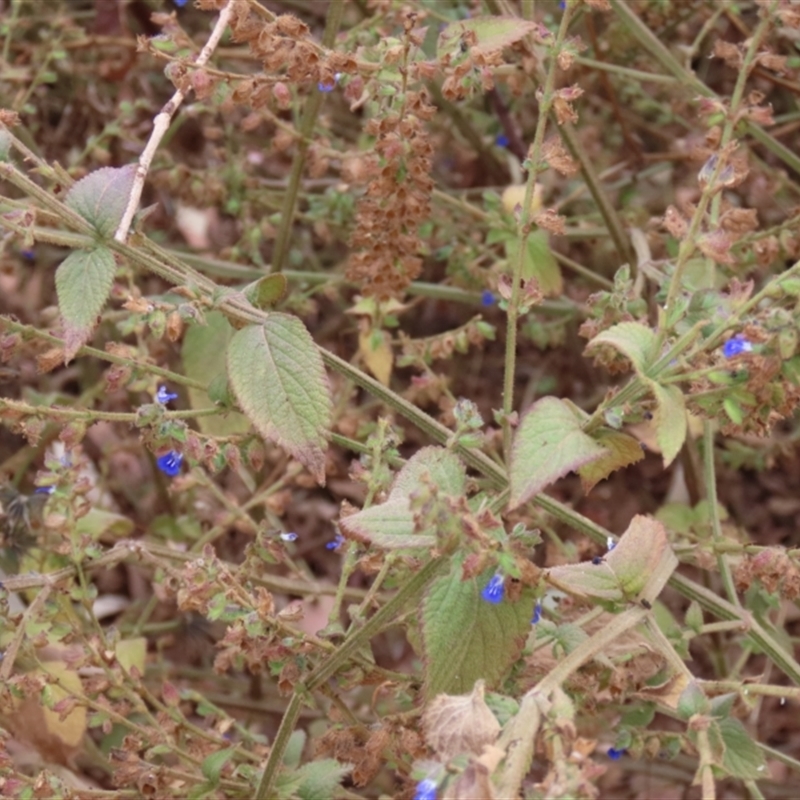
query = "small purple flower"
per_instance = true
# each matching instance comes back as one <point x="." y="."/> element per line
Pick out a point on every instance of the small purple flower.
<point x="614" y="754"/>
<point x="537" y="612"/>
<point x="28" y="254"/>
<point x="494" y="591"/>
<point x="335" y="543"/>
<point x="426" y="790"/>
<point x="180" y="3"/>
<point x="501" y="140"/>
<point x="326" y="86"/>
<point x="44" y="490"/>
<point x="163" y="396"/>
<point x="289" y="537"/>
<point x="487" y="298"/>
<point x="170" y="463"/>
<point x="736" y="346"/>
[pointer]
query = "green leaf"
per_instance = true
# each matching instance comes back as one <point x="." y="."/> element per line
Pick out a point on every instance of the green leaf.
<point x="294" y="749"/>
<point x="743" y="759"/>
<point x="320" y="778"/>
<point x="692" y="701"/>
<point x="539" y="263"/>
<point x="267" y="291"/>
<point x="670" y="420"/>
<point x="694" y="617"/>
<point x="568" y="637"/>
<point x="278" y="378"/>
<point x="733" y="410"/>
<point x="548" y="444"/>
<point x="102" y="196"/>
<point x="132" y="653"/>
<point x="790" y="285"/>
<point x="213" y="764"/>
<point x="491" y="33"/>
<point x="621" y="451"/>
<point x="722" y="705"/>
<point x="465" y="638"/>
<point x="391" y="524"/>
<point x="99" y="522"/>
<point x="633" y="340"/>
<point x="639" y="566"/>
<point x="83" y="283"/>
<point x="639" y="715"/>
<point x="203" y="353"/>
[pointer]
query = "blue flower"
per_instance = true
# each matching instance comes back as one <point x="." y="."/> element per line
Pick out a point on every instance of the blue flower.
<point x="163" y="396"/>
<point x="44" y="490"/>
<point x="488" y="298"/>
<point x="501" y="140"/>
<point x="170" y="463"/>
<point x="736" y="346"/>
<point x="180" y="3"/>
<point x="335" y="543"/>
<point x="29" y="254"/>
<point x="289" y="537"/>
<point x="426" y="790"/>
<point x="614" y="754"/>
<point x="325" y="86"/>
<point x="537" y="612"/>
<point x="610" y="543"/>
<point x="494" y="590"/>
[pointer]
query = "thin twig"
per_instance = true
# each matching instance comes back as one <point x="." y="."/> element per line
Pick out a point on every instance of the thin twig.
<point x="161" y="124"/>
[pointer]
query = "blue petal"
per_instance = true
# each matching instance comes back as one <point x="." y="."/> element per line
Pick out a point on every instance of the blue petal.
<point x="289" y="537"/>
<point x="614" y="754"/>
<point x="163" y="396"/>
<point x="180" y="3"/>
<point x="736" y="346"/>
<point x="494" y="591"/>
<point x="537" y="613"/>
<point x="501" y="140"/>
<point x="487" y="298"/>
<point x="426" y="790"/>
<point x="335" y="543"/>
<point x="170" y="463"/>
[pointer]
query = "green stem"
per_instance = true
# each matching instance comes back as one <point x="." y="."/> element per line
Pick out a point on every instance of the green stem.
<point x="328" y="667"/>
<point x="266" y="785"/>
<point x="710" y="477"/>
<point x="626" y="72"/>
<point x="6" y="323"/>
<point x="306" y="131"/>
<point x="91" y="414"/>
<point x="381" y="619"/>
<point x="524" y="230"/>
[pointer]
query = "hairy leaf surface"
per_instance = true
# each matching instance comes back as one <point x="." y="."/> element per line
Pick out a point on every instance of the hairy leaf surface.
<point x="83" y="283"/>
<point x="278" y="378"/>
<point x="548" y="444"/>
<point x="102" y="196"/>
